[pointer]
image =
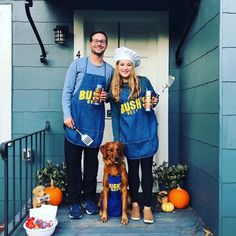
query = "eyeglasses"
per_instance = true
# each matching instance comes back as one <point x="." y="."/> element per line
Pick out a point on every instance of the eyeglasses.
<point x="96" y="41"/>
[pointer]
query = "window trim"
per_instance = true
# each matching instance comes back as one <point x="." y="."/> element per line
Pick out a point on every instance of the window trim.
<point x="6" y="72"/>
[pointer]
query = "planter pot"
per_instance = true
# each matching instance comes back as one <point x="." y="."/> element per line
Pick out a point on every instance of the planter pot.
<point x="155" y="188"/>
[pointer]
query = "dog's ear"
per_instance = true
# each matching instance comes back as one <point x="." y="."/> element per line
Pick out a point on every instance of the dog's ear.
<point x="103" y="149"/>
<point x="37" y="189"/>
<point x="34" y="191"/>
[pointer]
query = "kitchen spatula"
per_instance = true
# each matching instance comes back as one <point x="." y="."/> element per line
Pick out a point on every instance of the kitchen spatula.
<point x="167" y="85"/>
<point x="84" y="137"/>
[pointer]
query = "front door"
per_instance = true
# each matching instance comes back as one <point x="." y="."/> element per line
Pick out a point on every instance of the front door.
<point x="144" y="32"/>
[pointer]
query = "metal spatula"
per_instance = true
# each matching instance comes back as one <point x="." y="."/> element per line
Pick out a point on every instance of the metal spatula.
<point x="84" y="137"/>
<point x="167" y="85"/>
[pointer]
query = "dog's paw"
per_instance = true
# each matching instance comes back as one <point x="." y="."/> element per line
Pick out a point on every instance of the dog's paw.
<point x="124" y="219"/>
<point x="104" y="218"/>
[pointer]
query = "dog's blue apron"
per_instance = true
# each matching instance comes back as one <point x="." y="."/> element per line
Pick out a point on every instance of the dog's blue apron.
<point x="138" y="128"/>
<point x="114" y="204"/>
<point x="88" y="118"/>
<point x="114" y="200"/>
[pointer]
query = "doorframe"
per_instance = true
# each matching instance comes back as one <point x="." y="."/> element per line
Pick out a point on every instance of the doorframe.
<point x="162" y="18"/>
<point x="6" y="72"/>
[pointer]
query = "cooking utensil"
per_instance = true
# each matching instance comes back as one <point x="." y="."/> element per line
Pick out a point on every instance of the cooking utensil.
<point x="84" y="137"/>
<point x="167" y="85"/>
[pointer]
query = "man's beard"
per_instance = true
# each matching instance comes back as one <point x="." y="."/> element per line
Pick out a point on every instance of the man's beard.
<point x="98" y="53"/>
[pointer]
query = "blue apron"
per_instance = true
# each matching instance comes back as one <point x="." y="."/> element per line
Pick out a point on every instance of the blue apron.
<point x="114" y="205"/>
<point x="88" y="118"/>
<point x="138" y="128"/>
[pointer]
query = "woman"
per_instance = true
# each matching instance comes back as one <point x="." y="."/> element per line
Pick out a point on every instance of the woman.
<point x="135" y="127"/>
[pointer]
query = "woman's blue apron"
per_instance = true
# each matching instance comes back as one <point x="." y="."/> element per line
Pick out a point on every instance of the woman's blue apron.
<point x="138" y="128"/>
<point x="88" y="118"/>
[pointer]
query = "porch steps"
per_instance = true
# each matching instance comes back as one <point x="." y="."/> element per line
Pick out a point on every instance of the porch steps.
<point x="183" y="222"/>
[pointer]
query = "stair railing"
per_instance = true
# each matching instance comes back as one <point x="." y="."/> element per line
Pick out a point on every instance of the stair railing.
<point x="22" y="158"/>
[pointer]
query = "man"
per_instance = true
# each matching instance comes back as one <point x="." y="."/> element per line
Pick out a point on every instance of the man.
<point x="81" y="113"/>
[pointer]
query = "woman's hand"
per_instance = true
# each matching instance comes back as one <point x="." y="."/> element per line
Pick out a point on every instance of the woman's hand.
<point x="155" y="100"/>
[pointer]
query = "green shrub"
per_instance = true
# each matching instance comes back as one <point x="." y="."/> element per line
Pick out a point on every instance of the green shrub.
<point x="55" y="172"/>
<point x="169" y="176"/>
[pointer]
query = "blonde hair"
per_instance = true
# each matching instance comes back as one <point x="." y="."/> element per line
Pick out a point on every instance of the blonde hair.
<point x="117" y="82"/>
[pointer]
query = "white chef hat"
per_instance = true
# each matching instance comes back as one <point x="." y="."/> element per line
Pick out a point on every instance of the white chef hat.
<point x="124" y="53"/>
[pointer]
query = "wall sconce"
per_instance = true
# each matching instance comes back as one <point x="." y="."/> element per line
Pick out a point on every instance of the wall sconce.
<point x="61" y="32"/>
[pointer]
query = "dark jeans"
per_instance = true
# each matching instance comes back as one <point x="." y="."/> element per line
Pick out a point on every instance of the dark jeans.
<point x="81" y="180"/>
<point x="146" y="181"/>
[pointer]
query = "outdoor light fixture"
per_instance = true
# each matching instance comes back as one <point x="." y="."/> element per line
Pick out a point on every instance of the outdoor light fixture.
<point x="61" y="32"/>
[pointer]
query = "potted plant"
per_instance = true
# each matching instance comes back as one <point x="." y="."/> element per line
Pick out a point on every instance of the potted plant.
<point x="169" y="176"/>
<point x="54" y="178"/>
<point x="55" y="172"/>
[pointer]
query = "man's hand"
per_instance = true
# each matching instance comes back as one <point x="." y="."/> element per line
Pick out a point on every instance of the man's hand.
<point x="69" y="122"/>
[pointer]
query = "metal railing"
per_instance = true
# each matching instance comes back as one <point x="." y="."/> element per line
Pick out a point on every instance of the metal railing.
<point x="22" y="158"/>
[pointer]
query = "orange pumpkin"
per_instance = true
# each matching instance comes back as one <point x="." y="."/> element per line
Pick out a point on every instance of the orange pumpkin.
<point x="179" y="197"/>
<point x="55" y="194"/>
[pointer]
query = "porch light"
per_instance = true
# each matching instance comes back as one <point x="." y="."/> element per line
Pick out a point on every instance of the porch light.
<point x="61" y="32"/>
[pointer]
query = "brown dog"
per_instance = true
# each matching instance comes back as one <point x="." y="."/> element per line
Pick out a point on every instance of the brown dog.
<point x="114" y="166"/>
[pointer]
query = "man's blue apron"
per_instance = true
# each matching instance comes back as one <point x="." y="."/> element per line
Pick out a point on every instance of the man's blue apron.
<point x="88" y="118"/>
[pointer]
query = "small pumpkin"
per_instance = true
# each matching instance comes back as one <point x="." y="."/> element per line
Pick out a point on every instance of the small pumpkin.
<point x="163" y="192"/>
<point x="55" y="193"/>
<point x="164" y="199"/>
<point x="162" y="196"/>
<point x="179" y="197"/>
<point x="167" y="206"/>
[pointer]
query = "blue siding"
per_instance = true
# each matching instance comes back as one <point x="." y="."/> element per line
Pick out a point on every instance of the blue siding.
<point x="229" y="132"/>
<point x="37" y="87"/>
<point x="37" y="100"/>
<point x="228" y="118"/>
<point x="199" y="112"/>
<point x="31" y="121"/>
<point x="204" y="195"/>
<point x="229" y="104"/>
<point x="173" y="107"/>
<point x="228" y="200"/>
<point x="228" y="166"/>
<point x="43" y="78"/>
<point x="28" y="55"/>
<point x="228" y="69"/>
<point x="228" y="226"/>
<point x="197" y="152"/>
